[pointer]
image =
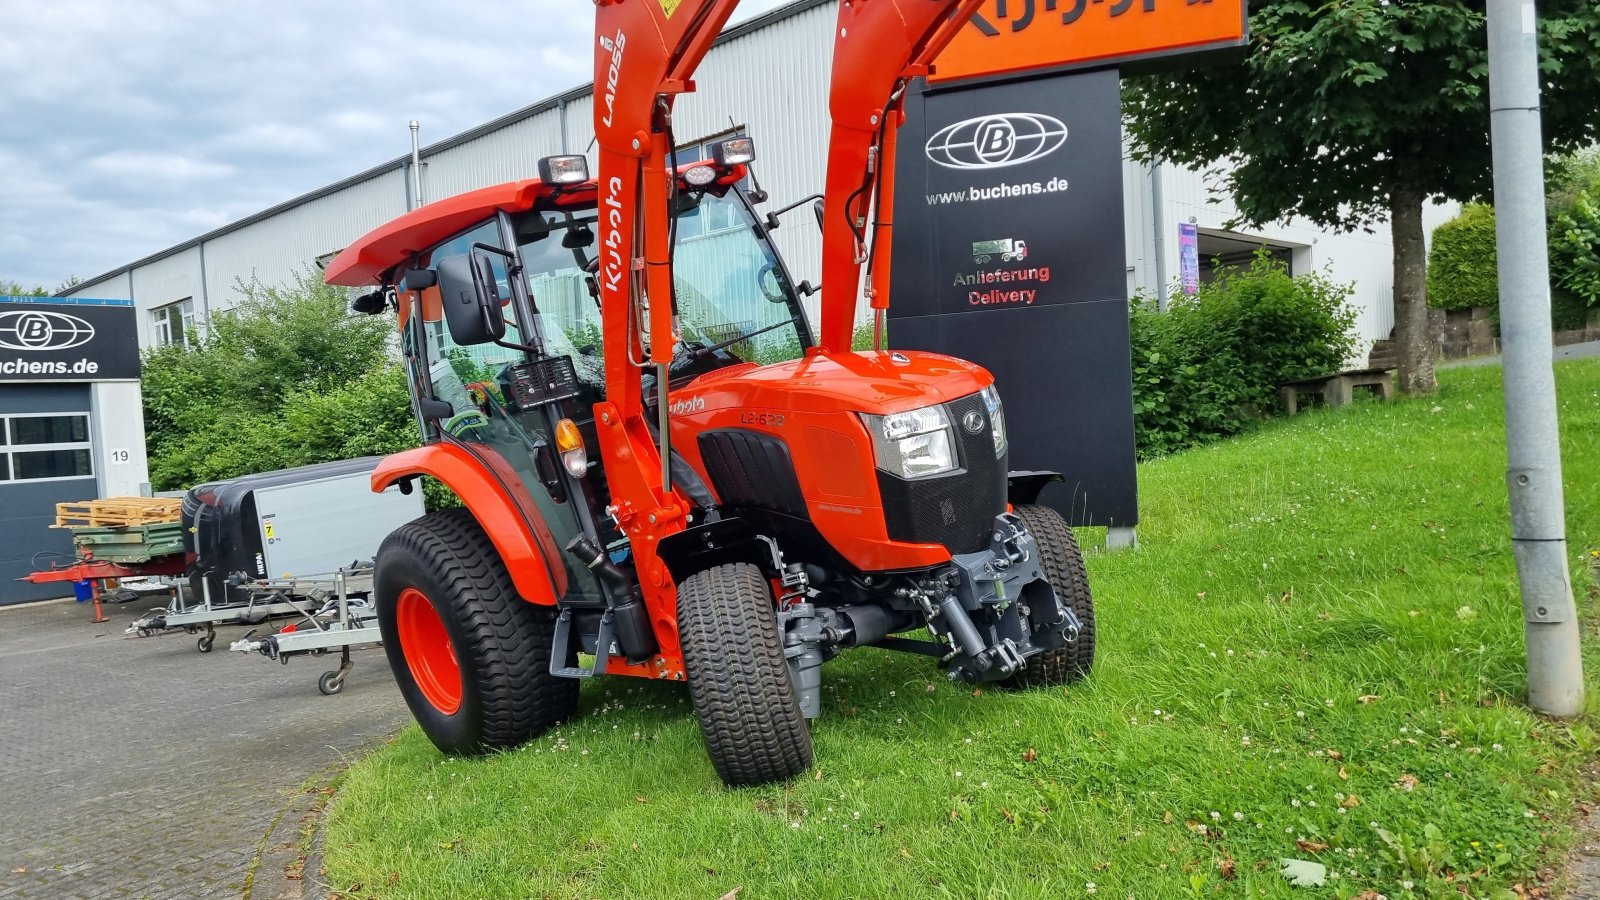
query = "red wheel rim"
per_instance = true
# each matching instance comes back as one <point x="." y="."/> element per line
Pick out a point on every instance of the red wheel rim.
<point x="427" y="650"/>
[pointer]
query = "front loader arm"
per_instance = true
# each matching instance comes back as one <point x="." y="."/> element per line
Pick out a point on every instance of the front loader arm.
<point x="646" y="52"/>
<point x="879" y="46"/>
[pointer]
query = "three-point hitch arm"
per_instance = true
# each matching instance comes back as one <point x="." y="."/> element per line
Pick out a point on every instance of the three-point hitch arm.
<point x="879" y="47"/>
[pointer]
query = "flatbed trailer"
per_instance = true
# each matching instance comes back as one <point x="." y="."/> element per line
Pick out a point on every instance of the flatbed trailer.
<point x="343" y="620"/>
<point x="262" y="601"/>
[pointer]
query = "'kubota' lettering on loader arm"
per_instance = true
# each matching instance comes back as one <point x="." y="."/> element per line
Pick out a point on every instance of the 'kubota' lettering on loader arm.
<point x="613" y="226"/>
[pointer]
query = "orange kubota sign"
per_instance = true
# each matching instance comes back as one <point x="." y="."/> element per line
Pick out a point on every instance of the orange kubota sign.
<point x="1022" y="35"/>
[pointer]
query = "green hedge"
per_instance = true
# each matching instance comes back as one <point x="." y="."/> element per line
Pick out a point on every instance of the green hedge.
<point x="1210" y="365"/>
<point x="1461" y="263"/>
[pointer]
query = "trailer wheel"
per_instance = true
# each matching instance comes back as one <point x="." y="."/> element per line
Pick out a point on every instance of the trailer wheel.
<point x="331" y="682"/>
<point x="1063" y="565"/>
<point x="738" y="678"/>
<point x="472" y="658"/>
<point x="205" y="642"/>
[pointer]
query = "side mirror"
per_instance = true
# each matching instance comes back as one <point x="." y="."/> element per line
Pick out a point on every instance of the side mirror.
<point x="817" y="208"/>
<point x="434" y="410"/>
<point x="471" y="299"/>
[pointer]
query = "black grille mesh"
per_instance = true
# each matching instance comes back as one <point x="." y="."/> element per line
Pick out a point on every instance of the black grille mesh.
<point x="955" y="510"/>
<point x="752" y="470"/>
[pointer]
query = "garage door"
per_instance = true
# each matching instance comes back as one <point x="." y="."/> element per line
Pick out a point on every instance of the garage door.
<point x="45" y="459"/>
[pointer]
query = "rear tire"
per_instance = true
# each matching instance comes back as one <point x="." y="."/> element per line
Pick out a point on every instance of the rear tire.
<point x="472" y="658"/>
<point x="738" y="678"/>
<point x="1063" y="567"/>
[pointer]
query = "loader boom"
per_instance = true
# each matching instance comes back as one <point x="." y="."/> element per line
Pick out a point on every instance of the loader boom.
<point x="879" y="46"/>
<point x="645" y="53"/>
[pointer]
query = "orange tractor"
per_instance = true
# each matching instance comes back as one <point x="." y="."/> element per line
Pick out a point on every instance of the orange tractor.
<point x="665" y="474"/>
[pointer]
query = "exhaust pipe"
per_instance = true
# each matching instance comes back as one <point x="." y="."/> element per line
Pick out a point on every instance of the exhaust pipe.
<point x="629" y="618"/>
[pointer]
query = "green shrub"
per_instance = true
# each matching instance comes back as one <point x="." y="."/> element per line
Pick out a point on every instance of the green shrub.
<point x="289" y="377"/>
<point x="1575" y="247"/>
<point x="1461" y="264"/>
<point x="1210" y="365"/>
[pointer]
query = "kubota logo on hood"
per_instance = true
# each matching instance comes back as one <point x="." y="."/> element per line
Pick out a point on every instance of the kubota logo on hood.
<point x="36" y="329"/>
<point x="996" y="141"/>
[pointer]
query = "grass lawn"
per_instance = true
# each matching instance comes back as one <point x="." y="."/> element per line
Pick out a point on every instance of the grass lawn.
<point x="1316" y="653"/>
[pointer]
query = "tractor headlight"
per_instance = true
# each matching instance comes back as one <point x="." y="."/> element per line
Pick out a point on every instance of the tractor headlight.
<point x="997" y="418"/>
<point x="915" y="444"/>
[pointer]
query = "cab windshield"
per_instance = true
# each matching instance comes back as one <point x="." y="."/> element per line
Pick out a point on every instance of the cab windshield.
<point x="734" y="295"/>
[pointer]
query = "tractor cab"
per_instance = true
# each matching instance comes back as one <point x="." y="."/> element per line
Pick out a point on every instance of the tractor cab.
<point x="518" y="394"/>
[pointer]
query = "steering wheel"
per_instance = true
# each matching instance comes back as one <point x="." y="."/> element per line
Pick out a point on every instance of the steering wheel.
<point x="463" y="421"/>
<point x="771" y="283"/>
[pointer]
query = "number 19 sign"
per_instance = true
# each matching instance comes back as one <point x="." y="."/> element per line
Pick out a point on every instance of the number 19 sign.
<point x="1010" y="36"/>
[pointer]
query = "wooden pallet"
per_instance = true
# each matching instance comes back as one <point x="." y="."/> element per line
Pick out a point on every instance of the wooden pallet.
<point x="118" y="511"/>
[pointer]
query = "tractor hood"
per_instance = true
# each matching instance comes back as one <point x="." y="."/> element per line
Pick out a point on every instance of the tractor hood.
<point x="875" y="382"/>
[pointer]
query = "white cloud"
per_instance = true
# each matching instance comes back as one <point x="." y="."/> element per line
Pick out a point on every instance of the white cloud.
<point x="132" y="127"/>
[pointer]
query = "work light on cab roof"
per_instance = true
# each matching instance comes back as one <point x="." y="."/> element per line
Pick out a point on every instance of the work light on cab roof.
<point x="564" y="170"/>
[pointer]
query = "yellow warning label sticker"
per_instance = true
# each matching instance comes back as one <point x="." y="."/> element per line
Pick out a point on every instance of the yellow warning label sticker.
<point x="271" y="531"/>
<point x="670" y="6"/>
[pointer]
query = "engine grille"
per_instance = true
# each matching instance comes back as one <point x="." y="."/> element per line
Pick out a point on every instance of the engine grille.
<point x="750" y="469"/>
<point x="955" y="510"/>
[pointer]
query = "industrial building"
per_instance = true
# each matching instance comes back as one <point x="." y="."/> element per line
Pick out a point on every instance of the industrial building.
<point x="71" y="424"/>
<point x="785" y="110"/>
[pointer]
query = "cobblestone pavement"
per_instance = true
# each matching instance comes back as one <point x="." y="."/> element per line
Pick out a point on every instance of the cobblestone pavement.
<point x="138" y="767"/>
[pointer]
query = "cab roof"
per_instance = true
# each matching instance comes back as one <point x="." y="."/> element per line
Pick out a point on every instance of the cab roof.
<point x="369" y="258"/>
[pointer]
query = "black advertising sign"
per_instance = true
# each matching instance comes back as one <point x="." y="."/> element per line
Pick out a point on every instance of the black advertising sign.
<point x="67" y="339"/>
<point x="1009" y="251"/>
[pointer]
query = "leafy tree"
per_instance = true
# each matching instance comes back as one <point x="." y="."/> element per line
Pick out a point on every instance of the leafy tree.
<point x="1351" y="111"/>
<point x="10" y="288"/>
<point x="289" y="377"/>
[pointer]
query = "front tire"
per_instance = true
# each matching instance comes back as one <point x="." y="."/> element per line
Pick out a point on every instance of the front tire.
<point x="738" y="678"/>
<point x="472" y="658"/>
<point x="1063" y="567"/>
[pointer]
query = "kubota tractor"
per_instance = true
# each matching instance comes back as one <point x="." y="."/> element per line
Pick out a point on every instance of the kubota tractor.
<point x="665" y="474"/>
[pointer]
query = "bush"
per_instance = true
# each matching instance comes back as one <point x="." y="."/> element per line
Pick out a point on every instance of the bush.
<point x="1575" y="247"/>
<point x="1461" y="264"/>
<point x="289" y="377"/>
<point x="1211" y="364"/>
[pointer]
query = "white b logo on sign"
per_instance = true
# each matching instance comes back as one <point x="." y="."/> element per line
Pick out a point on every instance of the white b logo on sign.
<point x="33" y="329"/>
<point x="996" y="141"/>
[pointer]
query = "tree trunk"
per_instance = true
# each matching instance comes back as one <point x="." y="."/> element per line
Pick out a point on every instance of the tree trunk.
<point x="1414" y="335"/>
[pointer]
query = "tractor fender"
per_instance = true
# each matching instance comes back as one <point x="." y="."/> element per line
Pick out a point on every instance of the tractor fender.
<point x="524" y="541"/>
<point x="729" y="540"/>
<point x="1022" y="488"/>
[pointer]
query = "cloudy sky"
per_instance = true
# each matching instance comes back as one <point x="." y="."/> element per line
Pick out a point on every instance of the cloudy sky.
<point x="126" y="128"/>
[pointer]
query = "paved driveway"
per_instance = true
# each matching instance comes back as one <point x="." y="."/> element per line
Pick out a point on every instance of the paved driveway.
<point x="138" y="767"/>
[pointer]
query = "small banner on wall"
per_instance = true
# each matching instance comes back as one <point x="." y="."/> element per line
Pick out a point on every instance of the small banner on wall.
<point x="1189" y="257"/>
<point x="67" y="339"/>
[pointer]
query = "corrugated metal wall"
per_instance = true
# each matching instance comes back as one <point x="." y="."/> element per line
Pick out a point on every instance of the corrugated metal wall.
<point x="506" y="154"/>
<point x="276" y="249"/>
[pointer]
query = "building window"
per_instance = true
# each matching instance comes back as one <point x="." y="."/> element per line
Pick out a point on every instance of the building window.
<point x="39" y="447"/>
<point x="174" y="323"/>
